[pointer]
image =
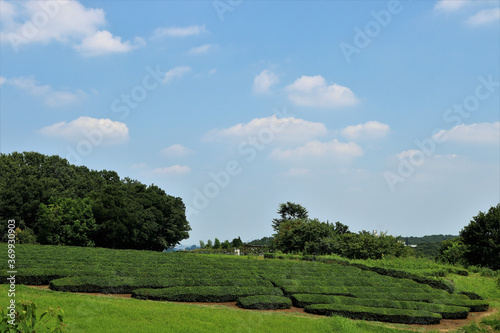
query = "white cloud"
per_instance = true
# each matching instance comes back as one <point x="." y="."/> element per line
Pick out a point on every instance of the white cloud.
<point x="180" y="32"/>
<point x="176" y="150"/>
<point x="264" y="81"/>
<point x="103" y="42"/>
<point x="288" y="130"/>
<point x="313" y="91"/>
<point x="201" y="49"/>
<point x="139" y="166"/>
<point x="297" y="172"/>
<point x="97" y="131"/>
<point x="482" y="133"/>
<point x="212" y="71"/>
<point x="175" y="73"/>
<point x="317" y="149"/>
<point x="50" y="96"/>
<point x="485" y="16"/>
<point x="2" y="80"/>
<point x="172" y="170"/>
<point x="368" y="130"/>
<point x="450" y="5"/>
<point x="67" y="22"/>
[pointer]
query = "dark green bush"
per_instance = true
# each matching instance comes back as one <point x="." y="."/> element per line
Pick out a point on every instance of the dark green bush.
<point x="376" y="314"/>
<point x="203" y="294"/>
<point x="264" y="302"/>
<point x="473" y="305"/>
<point x="471" y="295"/>
<point x="446" y="311"/>
<point x="125" y="285"/>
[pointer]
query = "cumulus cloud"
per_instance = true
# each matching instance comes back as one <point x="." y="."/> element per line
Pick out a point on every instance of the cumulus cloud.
<point x="450" y="5"/>
<point x="369" y="130"/>
<point x="97" y="131"/>
<point x="176" y="72"/>
<point x="180" y="31"/>
<point x="201" y="49"/>
<point x="313" y="91"/>
<point x="176" y="150"/>
<point x="103" y="42"/>
<point x="288" y="129"/>
<point x="481" y="133"/>
<point x="264" y="81"/>
<point x="139" y="166"/>
<point x="485" y="16"/>
<point x="297" y="172"/>
<point x="317" y="149"/>
<point x="2" y="80"/>
<point x="172" y="170"/>
<point x="50" y="96"/>
<point x="67" y="22"/>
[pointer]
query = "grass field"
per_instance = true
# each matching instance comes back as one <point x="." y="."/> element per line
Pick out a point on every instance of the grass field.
<point x="327" y="287"/>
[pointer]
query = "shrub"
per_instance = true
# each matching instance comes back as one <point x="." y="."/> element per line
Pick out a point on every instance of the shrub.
<point x="264" y="302"/>
<point x="446" y="311"/>
<point x="473" y="305"/>
<point x="125" y="285"/>
<point x="471" y="295"/>
<point x="376" y="314"/>
<point x="203" y="294"/>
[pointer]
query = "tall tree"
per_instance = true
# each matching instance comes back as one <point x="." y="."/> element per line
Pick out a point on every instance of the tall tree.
<point x="128" y="214"/>
<point x="482" y="238"/>
<point x="289" y="211"/>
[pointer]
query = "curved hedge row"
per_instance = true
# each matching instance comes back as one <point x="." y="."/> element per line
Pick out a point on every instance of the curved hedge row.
<point x="125" y="285"/>
<point x="358" y="291"/>
<point x="376" y="314"/>
<point x="264" y="302"/>
<point x="203" y="294"/>
<point x="446" y="311"/>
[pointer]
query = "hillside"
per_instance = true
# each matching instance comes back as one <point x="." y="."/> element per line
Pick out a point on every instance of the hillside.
<point x="325" y="288"/>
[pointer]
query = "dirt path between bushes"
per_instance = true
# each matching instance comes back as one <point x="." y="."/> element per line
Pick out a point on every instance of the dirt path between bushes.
<point x="446" y="325"/>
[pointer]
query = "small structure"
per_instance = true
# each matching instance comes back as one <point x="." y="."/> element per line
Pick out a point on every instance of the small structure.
<point x="236" y="252"/>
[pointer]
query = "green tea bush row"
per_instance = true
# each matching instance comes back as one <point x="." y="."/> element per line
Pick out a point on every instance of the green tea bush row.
<point x="376" y="314"/>
<point x="354" y="291"/>
<point x="203" y="294"/>
<point x="264" y="302"/>
<point x="433" y="282"/>
<point x="124" y="285"/>
<point x="473" y="305"/>
<point x="446" y="311"/>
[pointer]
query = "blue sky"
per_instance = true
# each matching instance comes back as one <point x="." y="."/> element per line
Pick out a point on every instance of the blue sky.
<point x="379" y="114"/>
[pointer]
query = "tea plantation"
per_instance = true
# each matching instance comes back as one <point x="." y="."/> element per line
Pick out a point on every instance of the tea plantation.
<point x="318" y="287"/>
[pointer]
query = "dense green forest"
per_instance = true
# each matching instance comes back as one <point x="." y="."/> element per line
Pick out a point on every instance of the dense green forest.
<point x="428" y="246"/>
<point x="54" y="202"/>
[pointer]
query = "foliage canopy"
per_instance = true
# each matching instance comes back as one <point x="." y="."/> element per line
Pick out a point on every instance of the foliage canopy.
<point x="66" y="204"/>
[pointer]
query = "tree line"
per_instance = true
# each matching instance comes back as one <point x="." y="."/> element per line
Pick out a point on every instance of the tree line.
<point x="478" y="243"/>
<point x="296" y="232"/>
<point x="54" y="202"/>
